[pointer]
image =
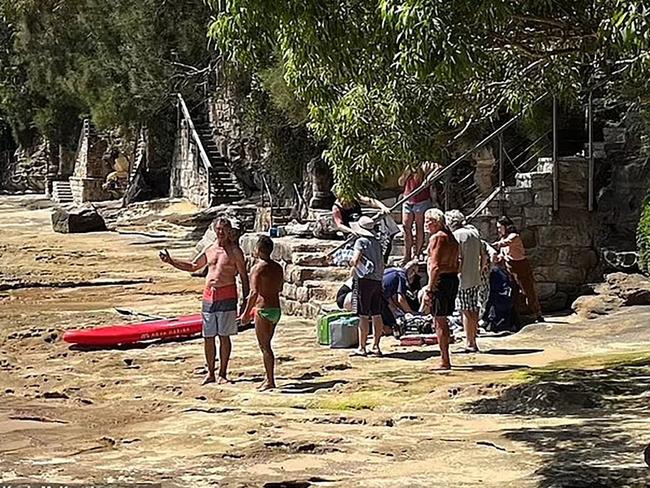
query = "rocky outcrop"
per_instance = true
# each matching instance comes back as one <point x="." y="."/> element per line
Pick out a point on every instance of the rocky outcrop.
<point x="77" y="220"/>
<point x="173" y="217"/>
<point x="26" y="170"/>
<point x="618" y="290"/>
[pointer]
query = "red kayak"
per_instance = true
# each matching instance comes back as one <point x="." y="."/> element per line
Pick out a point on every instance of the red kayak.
<point x="185" y="326"/>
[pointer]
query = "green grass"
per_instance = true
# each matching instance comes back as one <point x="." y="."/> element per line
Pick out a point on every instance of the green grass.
<point x="353" y="401"/>
<point x="595" y="362"/>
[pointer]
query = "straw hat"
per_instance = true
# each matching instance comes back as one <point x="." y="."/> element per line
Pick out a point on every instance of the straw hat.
<point x="363" y="227"/>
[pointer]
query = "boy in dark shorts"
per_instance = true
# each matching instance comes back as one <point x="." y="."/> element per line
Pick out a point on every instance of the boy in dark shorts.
<point x="368" y="270"/>
<point x="443" y="266"/>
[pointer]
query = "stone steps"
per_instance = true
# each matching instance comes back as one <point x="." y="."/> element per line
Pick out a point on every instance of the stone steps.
<point x="223" y="183"/>
<point x="62" y="192"/>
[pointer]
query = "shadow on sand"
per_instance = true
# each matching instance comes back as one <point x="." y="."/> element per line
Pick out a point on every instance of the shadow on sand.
<point x="602" y="444"/>
<point x="310" y="386"/>
<point x="512" y="352"/>
<point x="413" y="355"/>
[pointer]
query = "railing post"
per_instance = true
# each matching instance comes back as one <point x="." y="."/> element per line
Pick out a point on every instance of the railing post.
<point x="501" y="162"/>
<point x="447" y="188"/>
<point x="501" y="172"/>
<point x="590" y="115"/>
<point x="556" y="172"/>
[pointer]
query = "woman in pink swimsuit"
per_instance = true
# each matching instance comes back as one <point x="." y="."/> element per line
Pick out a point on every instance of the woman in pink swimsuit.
<point x="413" y="209"/>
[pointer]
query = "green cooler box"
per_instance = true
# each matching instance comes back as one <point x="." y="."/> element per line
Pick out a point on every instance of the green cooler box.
<point x="323" y="326"/>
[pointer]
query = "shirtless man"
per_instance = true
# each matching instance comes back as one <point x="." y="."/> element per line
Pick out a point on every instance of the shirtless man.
<point x="443" y="267"/>
<point x="263" y="304"/>
<point x="225" y="261"/>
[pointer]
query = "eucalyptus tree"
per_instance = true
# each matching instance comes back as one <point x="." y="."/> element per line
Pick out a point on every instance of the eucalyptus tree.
<point x="386" y="82"/>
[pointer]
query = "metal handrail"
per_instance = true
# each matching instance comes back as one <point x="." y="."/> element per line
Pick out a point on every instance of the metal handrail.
<point x="268" y="191"/>
<point x="484" y="203"/>
<point x="447" y="169"/>
<point x="195" y="135"/>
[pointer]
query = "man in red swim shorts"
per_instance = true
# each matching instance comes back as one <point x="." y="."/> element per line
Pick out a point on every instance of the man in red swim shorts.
<point x="225" y="261"/>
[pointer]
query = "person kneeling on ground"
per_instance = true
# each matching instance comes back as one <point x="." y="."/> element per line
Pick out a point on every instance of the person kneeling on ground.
<point x="398" y="283"/>
<point x="500" y="314"/>
<point x="443" y="267"/>
<point x="263" y="304"/>
<point x="369" y="281"/>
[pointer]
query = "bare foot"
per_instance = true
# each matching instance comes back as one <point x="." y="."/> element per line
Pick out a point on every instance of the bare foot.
<point x="441" y="368"/>
<point x="222" y="380"/>
<point x="359" y="352"/>
<point x="208" y="379"/>
<point x="266" y="386"/>
<point x="375" y="351"/>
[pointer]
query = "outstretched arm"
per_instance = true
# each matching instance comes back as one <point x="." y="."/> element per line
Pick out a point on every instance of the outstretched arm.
<point x="403" y="303"/>
<point x="506" y="241"/>
<point x="338" y="220"/>
<point x="373" y="202"/>
<point x="183" y="264"/>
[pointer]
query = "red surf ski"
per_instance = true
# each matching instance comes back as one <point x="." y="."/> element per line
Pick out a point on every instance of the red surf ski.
<point x="185" y="326"/>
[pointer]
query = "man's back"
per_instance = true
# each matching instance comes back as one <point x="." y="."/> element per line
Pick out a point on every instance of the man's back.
<point x="470" y="244"/>
<point x="394" y="282"/>
<point x="269" y="279"/>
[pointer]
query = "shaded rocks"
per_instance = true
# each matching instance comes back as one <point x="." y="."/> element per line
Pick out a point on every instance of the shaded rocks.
<point x="618" y="290"/>
<point x="77" y="220"/>
<point x="633" y="289"/>
<point x="592" y="306"/>
<point x="548" y="398"/>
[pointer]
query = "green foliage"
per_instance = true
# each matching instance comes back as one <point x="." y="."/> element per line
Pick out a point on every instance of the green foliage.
<point x="388" y="82"/>
<point x="277" y="120"/>
<point x="118" y="61"/>
<point x="643" y="237"/>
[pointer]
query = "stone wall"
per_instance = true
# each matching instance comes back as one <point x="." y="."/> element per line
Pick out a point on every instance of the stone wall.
<point x="95" y="161"/>
<point x="310" y="282"/>
<point x="243" y="152"/>
<point x="627" y="174"/>
<point x="562" y="245"/>
<point x="26" y="169"/>
<point x="189" y="178"/>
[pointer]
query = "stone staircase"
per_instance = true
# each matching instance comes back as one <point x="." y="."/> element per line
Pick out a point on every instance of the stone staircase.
<point x="224" y="187"/>
<point x="62" y="192"/>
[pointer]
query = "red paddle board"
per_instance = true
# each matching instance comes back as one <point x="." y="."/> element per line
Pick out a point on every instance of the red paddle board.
<point x="113" y="335"/>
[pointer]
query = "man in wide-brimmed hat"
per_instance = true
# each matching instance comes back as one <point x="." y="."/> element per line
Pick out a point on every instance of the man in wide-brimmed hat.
<point x="368" y="271"/>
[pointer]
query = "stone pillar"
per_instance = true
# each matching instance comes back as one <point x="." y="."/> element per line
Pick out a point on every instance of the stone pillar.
<point x="483" y="174"/>
<point x="320" y="177"/>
